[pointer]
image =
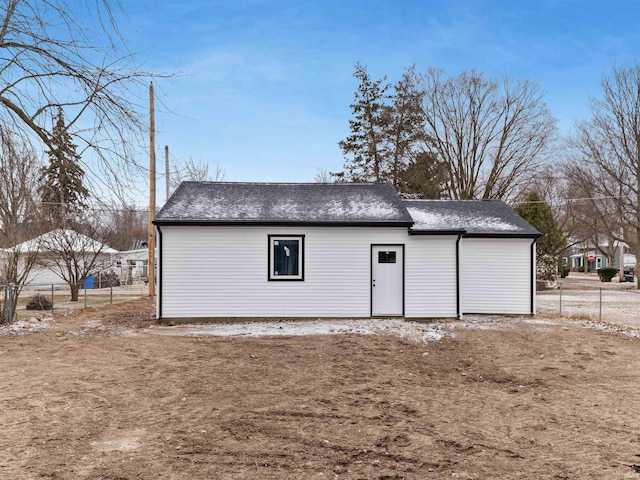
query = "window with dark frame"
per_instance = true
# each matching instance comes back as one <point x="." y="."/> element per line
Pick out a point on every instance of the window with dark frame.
<point x="286" y="255"/>
<point x="387" y="257"/>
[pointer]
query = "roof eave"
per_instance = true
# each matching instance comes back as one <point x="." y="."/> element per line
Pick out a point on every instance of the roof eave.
<point x="269" y="223"/>
<point x="502" y="235"/>
<point x="437" y="232"/>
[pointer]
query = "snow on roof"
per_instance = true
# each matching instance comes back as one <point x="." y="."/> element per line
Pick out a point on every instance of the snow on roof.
<point x="61" y="240"/>
<point x="481" y="217"/>
<point x="221" y="202"/>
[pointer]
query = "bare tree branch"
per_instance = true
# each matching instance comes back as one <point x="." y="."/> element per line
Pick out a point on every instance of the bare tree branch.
<point x="492" y="134"/>
<point x="53" y="56"/>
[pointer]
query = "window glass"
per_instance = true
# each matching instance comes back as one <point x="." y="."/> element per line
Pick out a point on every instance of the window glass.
<point x="286" y="259"/>
<point x="386" y="257"/>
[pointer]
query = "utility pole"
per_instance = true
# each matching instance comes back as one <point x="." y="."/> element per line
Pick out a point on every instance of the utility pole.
<point x="152" y="189"/>
<point x="166" y="169"/>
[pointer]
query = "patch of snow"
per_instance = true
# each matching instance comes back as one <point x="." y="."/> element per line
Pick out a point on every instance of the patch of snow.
<point x="23" y="327"/>
<point x="361" y="208"/>
<point x="439" y="221"/>
<point x="200" y="206"/>
<point x="612" y="328"/>
<point x="286" y="202"/>
<point x="400" y="328"/>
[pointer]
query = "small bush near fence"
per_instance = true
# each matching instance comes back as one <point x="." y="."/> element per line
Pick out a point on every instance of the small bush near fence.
<point x="38" y="302"/>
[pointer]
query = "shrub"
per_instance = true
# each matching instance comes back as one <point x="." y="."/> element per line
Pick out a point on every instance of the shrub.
<point x="38" y="302"/>
<point x="606" y="274"/>
<point x="541" y="285"/>
<point x="564" y="272"/>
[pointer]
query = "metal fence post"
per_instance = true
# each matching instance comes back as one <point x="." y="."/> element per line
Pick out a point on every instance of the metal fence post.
<point x="111" y="296"/>
<point x="85" y="293"/>
<point x="600" y="314"/>
<point x="52" y="298"/>
<point x="560" y="298"/>
<point x="10" y="303"/>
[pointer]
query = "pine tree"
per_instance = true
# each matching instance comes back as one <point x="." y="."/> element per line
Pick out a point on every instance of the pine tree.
<point x="538" y="213"/>
<point x="363" y="148"/>
<point x="62" y="189"/>
<point x="424" y="176"/>
<point x="402" y="127"/>
<point x="387" y="142"/>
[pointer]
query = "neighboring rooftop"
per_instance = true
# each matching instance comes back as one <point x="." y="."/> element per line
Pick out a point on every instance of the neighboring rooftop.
<point x="284" y="203"/>
<point x="62" y="241"/>
<point x="474" y="217"/>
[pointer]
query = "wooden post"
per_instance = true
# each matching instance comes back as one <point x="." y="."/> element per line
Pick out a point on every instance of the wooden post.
<point x="152" y="187"/>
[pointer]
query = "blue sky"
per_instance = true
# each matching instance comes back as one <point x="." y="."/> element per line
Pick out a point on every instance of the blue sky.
<point x="263" y="87"/>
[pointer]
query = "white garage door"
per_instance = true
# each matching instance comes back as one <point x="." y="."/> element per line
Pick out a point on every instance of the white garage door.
<point x="495" y="276"/>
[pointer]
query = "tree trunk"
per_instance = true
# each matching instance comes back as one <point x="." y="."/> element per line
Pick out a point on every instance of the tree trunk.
<point x="75" y="288"/>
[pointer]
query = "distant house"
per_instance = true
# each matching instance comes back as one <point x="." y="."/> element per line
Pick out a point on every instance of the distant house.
<point x="49" y="247"/>
<point x="131" y="266"/>
<point x="255" y="250"/>
<point x="579" y="254"/>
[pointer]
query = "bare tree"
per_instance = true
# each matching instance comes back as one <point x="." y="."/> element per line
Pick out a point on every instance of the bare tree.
<point x="608" y="145"/>
<point x="57" y="56"/>
<point x="492" y="134"/>
<point x="123" y="224"/>
<point x="19" y="171"/>
<point x="195" y="171"/>
<point x="19" y="214"/>
<point x="73" y="254"/>
<point x="322" y="176"/>
<point x="595" y="220"/>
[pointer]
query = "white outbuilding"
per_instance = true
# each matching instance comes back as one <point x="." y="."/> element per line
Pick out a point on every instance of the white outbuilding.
<point x="274" y="250"/>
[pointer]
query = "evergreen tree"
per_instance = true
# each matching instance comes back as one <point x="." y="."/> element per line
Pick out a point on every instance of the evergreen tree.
<point x="538" y="213"/>
<point x="387" y="142"/>
<point x="363" y="148"/>
<point x="424" y="176"/>
<point x="62" y="189"/>
<point x="402" y="126"/>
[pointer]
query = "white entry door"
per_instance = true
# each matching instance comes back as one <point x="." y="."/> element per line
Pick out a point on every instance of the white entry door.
<point x="387" y="280"/>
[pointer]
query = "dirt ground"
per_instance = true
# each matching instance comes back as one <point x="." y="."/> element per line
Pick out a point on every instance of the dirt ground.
<point x="97" y="396"/>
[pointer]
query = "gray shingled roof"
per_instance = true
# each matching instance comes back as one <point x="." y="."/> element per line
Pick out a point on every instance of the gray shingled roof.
<point x="475" y="217"/>
<point x="285" y="203"/>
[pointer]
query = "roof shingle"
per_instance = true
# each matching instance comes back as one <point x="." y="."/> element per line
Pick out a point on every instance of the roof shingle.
<point x="474" y="217"/>
<point x="285" y="203"/>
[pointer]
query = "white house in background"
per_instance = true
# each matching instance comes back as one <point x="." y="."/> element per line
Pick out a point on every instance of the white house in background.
<point x="131" y="266"/>
<point x="45" y="246"/>
<point x="256" y="250"/>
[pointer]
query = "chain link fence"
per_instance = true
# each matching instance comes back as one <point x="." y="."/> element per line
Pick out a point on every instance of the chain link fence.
<point x="617" y="303"/>
<point x="55" y="297"/>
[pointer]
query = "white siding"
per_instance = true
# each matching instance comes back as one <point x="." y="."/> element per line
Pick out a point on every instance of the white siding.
<point x="495" y="275"/>
<point x="430" y="276"/>
<point x="222" y="272"/>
